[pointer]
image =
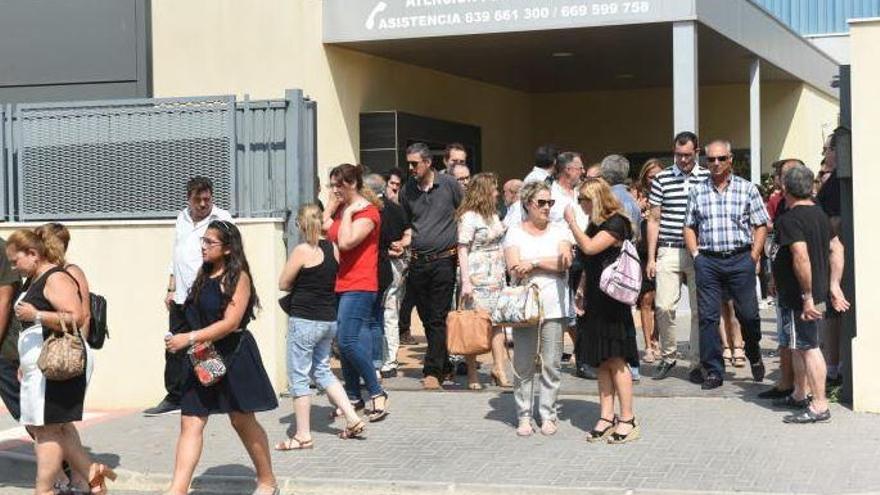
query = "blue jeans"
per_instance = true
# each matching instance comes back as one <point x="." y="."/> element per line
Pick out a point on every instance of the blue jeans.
<point x="308" y="354"/>
<point x="355" y="337"/>
<point x="377" y="330"/>
<point x="736" y="274"/>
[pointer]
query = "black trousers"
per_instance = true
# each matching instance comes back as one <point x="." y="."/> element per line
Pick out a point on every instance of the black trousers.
<point x="176" y="364"/>
<point x="10" y="389"/>
<point x="736" y="275"/>
<point x="432" y="284"/>
<point x="404" y="322"/>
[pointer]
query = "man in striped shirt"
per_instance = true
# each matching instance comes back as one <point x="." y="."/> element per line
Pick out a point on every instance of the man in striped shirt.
<point x="668" y="260"/>
<point x="725" y="229"/>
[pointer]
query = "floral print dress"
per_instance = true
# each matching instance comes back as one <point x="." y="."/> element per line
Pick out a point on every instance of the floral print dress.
<point x="486" y="267"/>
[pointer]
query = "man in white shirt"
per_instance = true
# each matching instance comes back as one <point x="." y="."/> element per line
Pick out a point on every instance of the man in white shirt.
<point x="543" y="171"/>
<point x="186" y="259"/>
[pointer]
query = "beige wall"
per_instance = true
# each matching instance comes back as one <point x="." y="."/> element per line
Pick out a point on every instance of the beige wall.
<point x="127" y="262"/>
<point x="865" y="38"/>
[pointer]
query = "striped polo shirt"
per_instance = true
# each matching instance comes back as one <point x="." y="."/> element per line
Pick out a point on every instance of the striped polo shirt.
<point x="669" y="191"/>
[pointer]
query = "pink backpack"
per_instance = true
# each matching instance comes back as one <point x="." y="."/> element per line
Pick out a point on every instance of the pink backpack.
<point x="622" y="280"/>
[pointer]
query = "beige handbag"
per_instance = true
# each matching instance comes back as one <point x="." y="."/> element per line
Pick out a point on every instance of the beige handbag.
<point x="64" y="354"/>
<point x="468" y="332"/>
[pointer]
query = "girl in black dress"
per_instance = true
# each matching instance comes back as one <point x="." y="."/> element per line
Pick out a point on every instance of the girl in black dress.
<point x="220" y="304"/>
<point x="607" y="325"/>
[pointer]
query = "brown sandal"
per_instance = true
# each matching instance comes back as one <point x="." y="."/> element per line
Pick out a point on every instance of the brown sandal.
<point x="300" y="444"/>
<point x="353" y="431"/>
<point x="97" y="474"/>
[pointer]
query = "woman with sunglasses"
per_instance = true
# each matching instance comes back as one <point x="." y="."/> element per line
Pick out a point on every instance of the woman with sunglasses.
<point x="218" y="309"/>
<point x="607" y="326"/>
<point x="354" y="227"/>
<point x="539" y="252"/>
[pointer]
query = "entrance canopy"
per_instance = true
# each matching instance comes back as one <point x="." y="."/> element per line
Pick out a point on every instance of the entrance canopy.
<point x="571" y="45"/>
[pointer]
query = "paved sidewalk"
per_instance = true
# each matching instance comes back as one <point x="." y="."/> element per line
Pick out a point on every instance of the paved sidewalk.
<point x="432" y="440"/>
<point x="463" y="442"/>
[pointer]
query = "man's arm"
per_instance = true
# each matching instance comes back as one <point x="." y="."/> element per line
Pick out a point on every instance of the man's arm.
<point x="804" y="275"/>
<point x="653" y="236"/>
<point x="690" y="241"/>
<point x="6" y="295"/>
<point x="759" y="236"/>
<point x="838" y="299"/>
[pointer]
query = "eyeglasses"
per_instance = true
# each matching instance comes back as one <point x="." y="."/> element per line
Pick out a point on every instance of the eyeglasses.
<point x="717" y="159"/>
<point x="414" y="163"/>
<point x="545" y="202"/>
<point x="463" y="180"/>
<point x="209" y="243"/>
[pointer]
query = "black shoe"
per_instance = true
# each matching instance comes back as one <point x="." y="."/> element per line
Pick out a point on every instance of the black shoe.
<point x="775" y="393"/>
<point x="586" y="372"/>
<point x="388" y="373"/>
<point x="758" y="370"/>
<point x="566" y="357"/>
<point x="789" y="402"/>
<point x="696" y="376"/>
<point x="808" y="416"/>
<point x="664" y="368"/>
<point x="407" y="339"/>
<point x="164" y="407"/>
<point x="712" y="381"/>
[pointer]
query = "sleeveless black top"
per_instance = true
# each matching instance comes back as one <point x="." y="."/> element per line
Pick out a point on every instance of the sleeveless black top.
<point x="313" y="295"/>
<point x="34" y="294"/>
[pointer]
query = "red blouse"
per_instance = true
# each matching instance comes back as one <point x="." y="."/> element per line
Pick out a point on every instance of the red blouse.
<point x="358" y="267"/>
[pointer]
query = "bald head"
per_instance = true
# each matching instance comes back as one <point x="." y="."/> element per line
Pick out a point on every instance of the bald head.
<point x="511" y="191"/>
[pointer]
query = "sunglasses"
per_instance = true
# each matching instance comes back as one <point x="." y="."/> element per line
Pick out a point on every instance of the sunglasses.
<point x="545" y="202"/>
<point x="717" y="159"/>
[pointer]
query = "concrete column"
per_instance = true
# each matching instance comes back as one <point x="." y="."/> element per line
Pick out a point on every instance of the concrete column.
<point x="685" y="81"/>
<point x="755" y="119"/>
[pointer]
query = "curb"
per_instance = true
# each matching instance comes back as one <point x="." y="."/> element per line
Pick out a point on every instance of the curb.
<point x="223" y="485"/>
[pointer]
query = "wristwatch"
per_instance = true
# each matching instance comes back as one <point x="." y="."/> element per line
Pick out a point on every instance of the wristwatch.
<point x="38" y="319"/>
<point x="535" y="264"/>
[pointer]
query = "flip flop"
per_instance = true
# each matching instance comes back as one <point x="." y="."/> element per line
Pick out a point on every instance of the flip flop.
<point x="294" y="443"/>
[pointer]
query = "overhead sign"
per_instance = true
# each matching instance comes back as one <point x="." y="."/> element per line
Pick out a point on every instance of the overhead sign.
<point x="366" y="20"/>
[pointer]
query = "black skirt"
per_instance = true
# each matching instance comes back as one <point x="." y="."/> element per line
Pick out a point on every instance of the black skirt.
<point x="605" y="338"/>
<point x="245" y="388"/>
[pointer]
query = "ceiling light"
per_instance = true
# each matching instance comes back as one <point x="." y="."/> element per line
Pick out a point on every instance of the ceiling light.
<point x="562" y="54"/>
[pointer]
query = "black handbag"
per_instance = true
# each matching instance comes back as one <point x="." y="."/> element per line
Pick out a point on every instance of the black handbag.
<point x="98" y="331"/>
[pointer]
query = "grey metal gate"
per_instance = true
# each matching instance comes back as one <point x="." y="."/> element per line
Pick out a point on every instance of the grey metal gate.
<point x="131" y="158"/>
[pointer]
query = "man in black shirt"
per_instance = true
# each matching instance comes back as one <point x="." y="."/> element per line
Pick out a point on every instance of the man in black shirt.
<point x="809" y="256"/>
<point x="394" y="238"/>
<point x="9" y="386"/>
<point x="430" y="200"/>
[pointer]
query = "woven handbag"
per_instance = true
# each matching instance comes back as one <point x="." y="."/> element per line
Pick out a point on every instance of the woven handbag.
<point x="468" y="331"/>
<point x="518" y="306"/>
<point x="63" y="355"/>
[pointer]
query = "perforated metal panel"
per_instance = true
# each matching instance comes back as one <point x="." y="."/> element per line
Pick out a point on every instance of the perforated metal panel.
<point x="121" y="159"/>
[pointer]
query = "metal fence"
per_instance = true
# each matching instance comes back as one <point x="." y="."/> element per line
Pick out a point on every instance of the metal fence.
<point x="132" y="158"/>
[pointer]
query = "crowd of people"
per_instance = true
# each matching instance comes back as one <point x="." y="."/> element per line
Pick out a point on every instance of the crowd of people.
<point x="378" y="247"/>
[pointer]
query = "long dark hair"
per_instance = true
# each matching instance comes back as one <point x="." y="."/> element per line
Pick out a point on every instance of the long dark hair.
<point x="236" y="264"/>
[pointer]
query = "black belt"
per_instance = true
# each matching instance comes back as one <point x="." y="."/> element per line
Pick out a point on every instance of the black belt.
<point x="726" y="254"/>
<point x="429" y="257"/>
<point x="668" y="244"/>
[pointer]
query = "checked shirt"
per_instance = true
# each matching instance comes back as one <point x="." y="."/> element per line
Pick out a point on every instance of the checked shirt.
<point x="724" y="219"/>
